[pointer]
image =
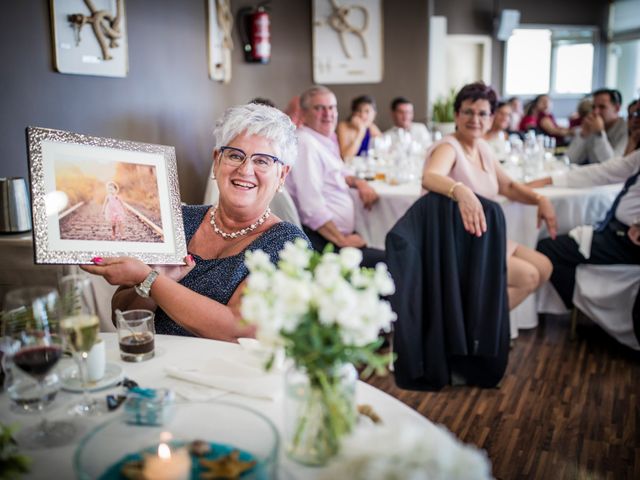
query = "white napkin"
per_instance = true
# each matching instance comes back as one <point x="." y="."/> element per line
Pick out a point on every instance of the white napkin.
<point x="240" y="371"/>
<point x="583" y="235"/>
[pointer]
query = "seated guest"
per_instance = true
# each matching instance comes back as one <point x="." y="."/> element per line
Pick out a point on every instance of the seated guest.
<point x="294" y="112"/>
<point x="615" y="240"/>
<point x="585" y="106"/>
<point x="603" y="133"/>
<point x="403" y="124"/>
<point x="263" y="101"/>
<point x="497" y="136"/>
<point x="354" y="134"/>
<point x="516" y="114"/>
<point x="633" y="127"/>
<point x="546" y="121"/>
<point x="462" y="166"/>
<point x="529" y="120"/>
<point x="319" y="185"/>
<point x="254" y="151"/>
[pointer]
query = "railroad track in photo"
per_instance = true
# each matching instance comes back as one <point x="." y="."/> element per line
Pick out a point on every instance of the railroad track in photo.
<point x="86" y="221"/>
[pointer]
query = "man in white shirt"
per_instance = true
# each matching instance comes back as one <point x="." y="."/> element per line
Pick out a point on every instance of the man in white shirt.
<point x="616" y="239"/>
<point x="405" y="127"/>
<point x="320" y="184"/>
<point x="603" y="133"/>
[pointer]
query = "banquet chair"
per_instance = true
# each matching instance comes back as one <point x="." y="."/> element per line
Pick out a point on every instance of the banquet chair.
<point x="282" y="204"/>
<point x="606" y="295"/>
<point x="451" y="296"/>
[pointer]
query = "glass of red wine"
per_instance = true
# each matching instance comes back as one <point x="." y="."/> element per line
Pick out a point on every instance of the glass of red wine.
<point x="31" y="325"/>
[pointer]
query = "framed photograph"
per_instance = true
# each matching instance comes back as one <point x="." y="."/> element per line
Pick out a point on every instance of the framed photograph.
<point x="90" y="37"/>
<point x="102" y="197"/>
<point x="347" y="41"/>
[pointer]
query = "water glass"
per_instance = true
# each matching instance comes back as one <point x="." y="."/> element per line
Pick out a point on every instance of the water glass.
<point x="136" y="334"/>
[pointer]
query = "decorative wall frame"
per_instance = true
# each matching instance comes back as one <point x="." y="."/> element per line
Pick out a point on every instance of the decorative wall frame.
<point x="220" y="43"/>
<point x="347" y="41"/>
<point x="89" y="37"/>
<point x="102" y="197"/>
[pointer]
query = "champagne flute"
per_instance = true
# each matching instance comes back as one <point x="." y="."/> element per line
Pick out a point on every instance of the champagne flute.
<point x="31" y="325"/>
<point x="79" y="326"/>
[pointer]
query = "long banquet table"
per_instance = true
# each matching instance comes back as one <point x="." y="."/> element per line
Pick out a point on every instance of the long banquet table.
<point x="181" y="351"/>
<point x="574" y="206"/>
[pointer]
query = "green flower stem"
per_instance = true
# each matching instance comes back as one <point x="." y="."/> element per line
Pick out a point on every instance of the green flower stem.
<point x="324" y="417"/>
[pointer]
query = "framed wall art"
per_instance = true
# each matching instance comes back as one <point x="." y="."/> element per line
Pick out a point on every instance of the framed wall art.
<point x="89" y="37"/>
<point x="347" y="41"/>
<point x="220" y="43"/>
<point x="102" y="197"/>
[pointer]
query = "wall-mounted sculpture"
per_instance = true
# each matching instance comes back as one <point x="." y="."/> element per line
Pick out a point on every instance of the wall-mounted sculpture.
<point x="347" y="41"/>
<point x="103" y="51"/>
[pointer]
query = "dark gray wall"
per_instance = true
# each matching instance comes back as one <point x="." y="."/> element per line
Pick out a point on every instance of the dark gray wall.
<point x="167" y="96"/>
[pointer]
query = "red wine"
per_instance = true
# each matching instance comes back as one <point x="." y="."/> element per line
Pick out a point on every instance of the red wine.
<point x="37" y="361"/>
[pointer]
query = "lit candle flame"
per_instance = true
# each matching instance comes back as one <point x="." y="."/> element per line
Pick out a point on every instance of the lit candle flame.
<point x="164" y="452"/>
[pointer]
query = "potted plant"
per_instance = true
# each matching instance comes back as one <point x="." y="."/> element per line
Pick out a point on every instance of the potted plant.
<point x="443" y="114"/>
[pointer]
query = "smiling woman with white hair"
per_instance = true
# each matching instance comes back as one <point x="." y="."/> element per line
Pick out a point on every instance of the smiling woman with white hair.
<point x="254" y="151"/>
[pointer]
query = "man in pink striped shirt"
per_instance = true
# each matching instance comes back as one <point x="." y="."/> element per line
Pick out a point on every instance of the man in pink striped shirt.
<point x="320" y="183"/>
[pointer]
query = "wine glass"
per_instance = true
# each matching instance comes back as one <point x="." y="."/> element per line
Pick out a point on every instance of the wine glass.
<point x="31" y="327"/>
<point x="79" y="325"/>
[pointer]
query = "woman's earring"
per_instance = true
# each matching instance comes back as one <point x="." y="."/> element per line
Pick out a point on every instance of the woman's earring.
<point x="280" y="188"/>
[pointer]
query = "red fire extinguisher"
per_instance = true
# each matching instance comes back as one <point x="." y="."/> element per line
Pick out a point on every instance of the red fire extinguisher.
<point x="255" y="33"/>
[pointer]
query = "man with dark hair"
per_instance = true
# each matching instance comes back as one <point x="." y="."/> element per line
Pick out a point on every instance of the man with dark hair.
<point x="602" y="134"/>
<point x="633" y="127"/>
<point x="404" y="126"/>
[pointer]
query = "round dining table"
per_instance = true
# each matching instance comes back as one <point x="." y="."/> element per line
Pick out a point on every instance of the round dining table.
<point x="574" y="206"/>
<point x="172" y="351"/>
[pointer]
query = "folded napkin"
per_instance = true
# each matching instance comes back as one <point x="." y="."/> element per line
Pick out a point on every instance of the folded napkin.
<point x="240" y="371"/>
<point x="583" y="235"/>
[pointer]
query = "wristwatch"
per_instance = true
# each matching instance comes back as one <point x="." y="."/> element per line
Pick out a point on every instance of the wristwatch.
<point x="144" y="288"/>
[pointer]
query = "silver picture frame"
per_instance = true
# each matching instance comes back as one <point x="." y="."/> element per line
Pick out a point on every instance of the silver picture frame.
<point x="103" y="197"/>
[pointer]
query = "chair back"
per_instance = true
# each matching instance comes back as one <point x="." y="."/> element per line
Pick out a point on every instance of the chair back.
<point x="451" y="296"/>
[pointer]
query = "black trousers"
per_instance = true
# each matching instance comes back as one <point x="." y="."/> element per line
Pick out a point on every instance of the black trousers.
<point x="611" y="246"/>
<point x="370" y="256"/>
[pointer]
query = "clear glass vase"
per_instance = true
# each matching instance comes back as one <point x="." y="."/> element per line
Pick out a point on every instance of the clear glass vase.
<point x="319" y="411"/>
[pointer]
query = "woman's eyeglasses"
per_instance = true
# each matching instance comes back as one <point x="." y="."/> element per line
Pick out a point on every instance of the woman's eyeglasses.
<point x="470" y="114"/>
<point x="234" y="157"/>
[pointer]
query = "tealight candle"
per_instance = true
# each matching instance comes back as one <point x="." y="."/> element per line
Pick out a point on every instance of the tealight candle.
<point x="168" y="464"/>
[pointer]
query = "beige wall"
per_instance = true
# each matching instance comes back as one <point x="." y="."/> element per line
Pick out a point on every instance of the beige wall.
<point x="167" y="97"/>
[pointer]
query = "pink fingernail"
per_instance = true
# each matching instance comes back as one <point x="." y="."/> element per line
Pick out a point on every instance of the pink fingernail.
<point x="190" y="258"/>
<point x="97" y="260"/>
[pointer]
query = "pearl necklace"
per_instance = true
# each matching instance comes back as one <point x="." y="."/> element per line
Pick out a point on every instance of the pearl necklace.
<point x="239" y="233"/>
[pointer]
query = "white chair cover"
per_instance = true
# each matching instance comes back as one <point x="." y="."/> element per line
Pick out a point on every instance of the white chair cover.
<point x="211" y="193"/>
<point x="282" y="206"/>
<point x="605" y="293"/>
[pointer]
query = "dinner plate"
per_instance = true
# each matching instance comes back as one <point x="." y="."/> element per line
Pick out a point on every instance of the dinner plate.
<point x="70" y="380"/>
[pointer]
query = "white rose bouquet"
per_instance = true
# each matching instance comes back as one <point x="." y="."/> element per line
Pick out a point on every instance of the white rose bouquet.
<point x="325" y="311"/>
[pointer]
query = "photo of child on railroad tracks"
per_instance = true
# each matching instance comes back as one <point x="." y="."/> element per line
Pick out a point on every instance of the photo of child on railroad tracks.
<point x="109" y="201"/>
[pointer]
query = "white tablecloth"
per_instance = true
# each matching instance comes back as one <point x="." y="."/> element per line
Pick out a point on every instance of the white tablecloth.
<point x="574" y="206"/>
<point x="171" y="351"/>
